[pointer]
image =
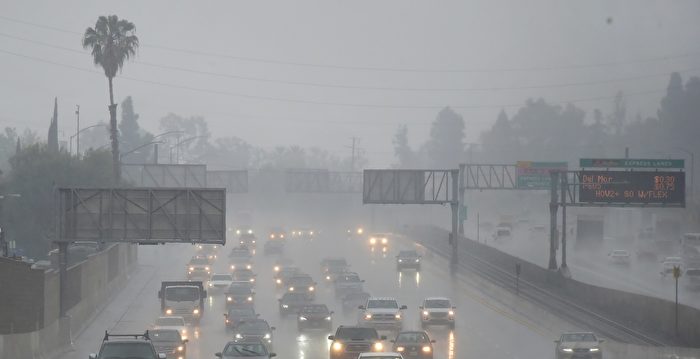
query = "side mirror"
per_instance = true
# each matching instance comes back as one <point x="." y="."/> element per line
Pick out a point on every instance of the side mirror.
<point x="272" y="355"/>
<point x="185" y="341"/>
<point x="92" y="356"/>
<point x="556" y="341"/>
<point x="420" y="307"/>
<point x="362" y="281"/>
<point x="257" y="314"/>
<point x="403" y="307"/>
<point x="160" y="295"/>
<point x="361" y="307"/>
<point x="226" y="315"/>
<point x="218" y="355"/>
<point x="454" y="307"/>
<point x="601" y="341"/>
<point x="273" y="328"/>
<point x="393" y="341"/>
<point x="162" y="356"/>
<point x="383" y="337"/>
<point x="331" y="337"/>
<point x="433" y="341"/>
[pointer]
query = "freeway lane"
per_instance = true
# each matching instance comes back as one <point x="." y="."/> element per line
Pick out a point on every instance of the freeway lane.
<point x="485" y="329"/>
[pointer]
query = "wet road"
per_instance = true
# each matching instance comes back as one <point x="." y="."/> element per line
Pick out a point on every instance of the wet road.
<point x="485" y="329"/>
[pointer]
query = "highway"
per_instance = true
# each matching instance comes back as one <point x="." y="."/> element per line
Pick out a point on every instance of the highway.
<point x="486" y="327"/>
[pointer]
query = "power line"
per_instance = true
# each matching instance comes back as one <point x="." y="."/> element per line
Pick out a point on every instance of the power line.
<point x="312" y="102"/>
<point x="379" y="68"/>
<point x="377" y="88"/>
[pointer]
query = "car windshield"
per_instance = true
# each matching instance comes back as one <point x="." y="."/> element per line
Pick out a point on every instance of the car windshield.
<point x="165" y="335"/>
<point x="357" y="296"/>
<point x="239" y="290"/>
<point x="170" y="321"/>
<point x="240" y="254"/>
<point x="314" y="309"/>
<point x="223" y="277"/>
<point x="437" y="303"/>
<point x="578" y="337"/>
<point x="301" y="281"/>
<point x="408" y="254"/>
<point x="199" y="261"/>
<point x="294" y="297"/>
<point x="182" y="294"/>
<point x="383" y="304"/>
<point x="245" y="350"/>
<point x="336" y="263"/>
<point x="356" y="333"/>
<point x="130" y="350"/>
<point x="349" y="278"/>
<point x="412" y="337"/>
<point x="241" y="312"/>
<point x="254" y="327"/>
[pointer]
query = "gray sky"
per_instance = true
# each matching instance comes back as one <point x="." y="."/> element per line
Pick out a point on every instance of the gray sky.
<point x="411" y="50"/>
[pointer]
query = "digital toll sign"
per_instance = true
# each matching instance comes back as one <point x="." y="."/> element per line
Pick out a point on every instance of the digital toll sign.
<point x="632" y="187"/>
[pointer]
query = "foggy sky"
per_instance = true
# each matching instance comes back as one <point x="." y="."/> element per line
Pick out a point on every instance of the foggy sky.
<point x="549" y="35"/>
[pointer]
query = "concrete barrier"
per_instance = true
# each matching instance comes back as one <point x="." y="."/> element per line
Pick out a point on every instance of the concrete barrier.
<point x="634" y="310"/>
<point x="44" y="334"/>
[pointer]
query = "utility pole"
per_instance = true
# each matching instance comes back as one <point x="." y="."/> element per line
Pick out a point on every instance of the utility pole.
<point x="77" y="130"/>
<point x="461" y="197"/>
<point x="564" y="269"/>
<point x="454" y="204"/>
<point x="355" y="141"/>
<point x="676" y="275"/>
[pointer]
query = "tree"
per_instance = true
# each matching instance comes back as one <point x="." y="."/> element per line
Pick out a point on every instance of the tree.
<point x="618" y="118"/>
<point x="402" y="150"/>
<point x="53" y="128"/>
<point x="445" y="147"/>
<point x="131" y="135"/>
<point x="112" y="42"/>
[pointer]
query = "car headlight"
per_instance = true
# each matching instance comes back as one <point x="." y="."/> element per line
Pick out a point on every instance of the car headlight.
<point x="233" y="267"/>
<point x="427" y="349"/>
<point x="238" y="231"/>
<point x="281" y="235"/>
<point x="168" y="311"/>
<point x="378" y="346"/>
<point x="210" y="284"/>
<point x="311" y="233"/>
<point x="180" y="348"/>
<point x="267" y="336"/>
<point x="417" y="260"/>
<point x="372" y="241"/>
<point x="291" y="289"/>
<point x="206" y="268"/>
<point x="368" y="316"/>
<point x="238" y="336"/>
<point x="397" y="316"/>
<point x="400" y="260"/>
<point x="252" y="279"/>
<point x="426" y="313"/>
<point x="195" y="311"/>
<point x="229" y="299"/>
<point x="337" y="346"/>
<point x="451" y="313"/>
<point x="279" y="281"/>
<point x="285" y="306"/>
<point x="384" y="249"/>
<point x="360" y="231"/>
<point x="250" y="299"/>
<point x="400" y="349"/>
<point x="594" y="350"/>
<point x="184" y="331"/>
<point x="249" y="266"/>
<point x="191" y="268"/>
<point x="250" y="231"/>
<point x="311" y="289"/>
<point x="277" y="268"/>
<point x="328" y="277"/>
<point x="302" y="319"/>
<point x="272" y="236"/>
<point x="253" y="241"/>
<point x="568" y="350"/>
<point x="328" y="317"/>
<point x="384" y="241"/>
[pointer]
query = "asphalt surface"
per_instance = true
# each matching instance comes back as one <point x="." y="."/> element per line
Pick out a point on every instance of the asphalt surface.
<point x="485" y="328"/>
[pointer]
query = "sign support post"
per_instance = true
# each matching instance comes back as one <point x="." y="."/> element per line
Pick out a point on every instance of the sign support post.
<point x="553" y="206"/>
<point x="461" y="198"/>
<point x="456" y="234"/>
<point x="564" y="269"/>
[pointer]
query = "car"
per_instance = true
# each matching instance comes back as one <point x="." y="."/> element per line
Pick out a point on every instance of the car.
<point x="578" y="345"/>
<point x="314" y="316"/>
<point x="382" y="313"/>
<point x="352" y="300"/>
<point x="350" y="341"/>
<point x="244" y="275"/>
<point x="170" y="342"/>
<point x="277" y="233"/>
<point x="619" y="256"/>
<point x="172" y="322"/>
<point x="240" y="258"/>
<point x="668" y="263"/>
<point x="502" y="232"/>
<point x="302" y="283"/>
<point x="220" y="281"/>
<point x="292" y="302"/>
<point x="247" y="238"/>
<point x="273" y="247"/>
<point x="347" y="282"/>
<point x="408" y="259"/>
<point x="379" y="242"/>
<point x="383" y="355"/>
<point x="235" y="315"/>
<point x="245" y="348"/>
<point x="208" y="250"/>
<point x="284" y="274"/>
<point x="413" y="345"/>
<point x="127" y="346"/>
<point x="691" y="277"/>
<point x="239" y="295"/>
<point x="332" y="267"/>
<point x="437" y="310"/>
<point x="198" y="267"/>
<point x="282" y="262"/>
<point x="304" y="233"/>
<point x="257" y="329"/>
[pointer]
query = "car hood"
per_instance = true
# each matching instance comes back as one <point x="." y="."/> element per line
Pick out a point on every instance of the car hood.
<point x="239" y="357"/>
<point x="382" y="311"/>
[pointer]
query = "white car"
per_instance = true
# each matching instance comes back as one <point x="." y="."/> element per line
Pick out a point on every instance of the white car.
<point x="619" y="256"/>
<point x="502" y="233"/>
<point x="437" y="310"/>
<point x="177" y="323"/>
<point x="691" y="277"/>
<point x="384" y="355"/>
<point x="668" y="264"/>
<point x="220" y="281"/>
<point x="382" y="313"/>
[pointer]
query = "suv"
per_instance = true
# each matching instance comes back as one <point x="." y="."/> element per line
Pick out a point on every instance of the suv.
<point x="127" y="346"/>
<point x="436" y="310"/>
<point x="170" y="342"/>
<point x="382" y="313"/>
<point x="408" y="259"/>
<point x="578" y="345"/>
<point x="349" y="342"/>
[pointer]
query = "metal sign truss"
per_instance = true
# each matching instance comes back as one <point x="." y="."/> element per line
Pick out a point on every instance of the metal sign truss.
<point x="322" y="181"/>
<point x="489" y="176"/>
<point x="165" y="175"/>
<point x="143" y="215"/>
<point x="410" y="186"/>
<point x="235" y="181"/>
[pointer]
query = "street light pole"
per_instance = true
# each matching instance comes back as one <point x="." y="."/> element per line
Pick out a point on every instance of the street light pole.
<point x="122" y="155"/>
<point x="3" y="241"/>
<point x="180" y="143"/>
<point x="77" y="133"/>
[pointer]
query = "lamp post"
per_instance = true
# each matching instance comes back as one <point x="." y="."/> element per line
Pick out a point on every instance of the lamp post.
<point x="122" y="155"/>
<point x="155" y="147"/>
<point x="77" y="134"/>
<point x="3" y="241"/>
<point x="180" y="143"/>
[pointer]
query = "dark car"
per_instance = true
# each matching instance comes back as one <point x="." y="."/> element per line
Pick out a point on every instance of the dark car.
<point x="170" y="342"/>
<point x="243" y="275"/>
<point x="285" y="273"/>
<point x="331" y="267"/>
<point x="292" y="302"/>
<point x="346" y="283"/>
<point x="349" y="342"/>
<point x="240" y="258"/>
<point x="256" y="329"/>
<point x="413" y="345"/>
<point x="236" y="315"/>
<point x="249" y="348"/>
<point x="127" y="346"/>
<point x="353" y="300"/>
<point x="408" y="259"/>
<point x="314" y="316"/>
<point x="302" y="283"/>
<point x="239" y="295"/>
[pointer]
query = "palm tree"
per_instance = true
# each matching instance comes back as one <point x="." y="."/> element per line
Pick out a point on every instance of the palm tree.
<point x="112" y="42"/>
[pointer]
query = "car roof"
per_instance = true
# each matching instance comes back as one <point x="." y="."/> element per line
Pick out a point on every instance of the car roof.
<point x="172" y="316"/>
<point x="380" y="354"/>
<point x="247" y="340"/>
<point x="437" y="298"/>
<point x="381" y="298"/>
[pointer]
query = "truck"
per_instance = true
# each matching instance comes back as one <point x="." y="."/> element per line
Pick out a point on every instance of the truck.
<point x="182" y="298"/>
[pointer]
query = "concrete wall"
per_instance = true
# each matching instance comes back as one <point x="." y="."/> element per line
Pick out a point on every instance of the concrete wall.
<point x="637" y="311"/>
<point x="33" y="297"/>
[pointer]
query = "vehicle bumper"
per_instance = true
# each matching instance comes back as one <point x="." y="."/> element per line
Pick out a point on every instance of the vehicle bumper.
<point x="589" y="355"/>
<point x="433" y="319"/>
<point x="384" y="325"/>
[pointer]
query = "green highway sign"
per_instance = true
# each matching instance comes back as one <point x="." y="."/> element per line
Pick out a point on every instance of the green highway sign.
<point x="630" y="163"/>
<point x="536" y="175"/>
<point x="463" y="213"/>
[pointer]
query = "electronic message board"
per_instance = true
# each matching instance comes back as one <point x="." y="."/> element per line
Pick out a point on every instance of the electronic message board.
<point x="632" y="187"/>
